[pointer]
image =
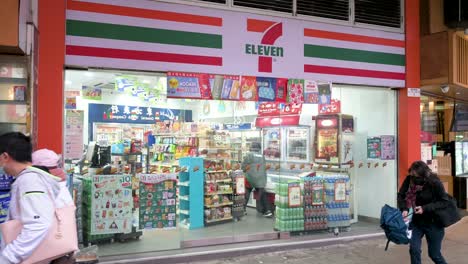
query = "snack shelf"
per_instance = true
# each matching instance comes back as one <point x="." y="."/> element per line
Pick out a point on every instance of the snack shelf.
<point x="219" y="220"/>
<point x="218" y="205"/>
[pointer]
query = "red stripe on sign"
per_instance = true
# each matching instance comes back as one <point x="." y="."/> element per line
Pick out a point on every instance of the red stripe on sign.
<point x="272" y="34"/>
<point x="308" y="32"/>
<point x="353" y="72"/>
<point x="265" y="64"/>
<point x="144" y="13"/>
<point x="256" y="25"/>
<point x="143" y="55"/>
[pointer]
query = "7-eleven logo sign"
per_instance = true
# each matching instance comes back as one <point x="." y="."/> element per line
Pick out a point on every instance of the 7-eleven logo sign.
<point x="265" y="50"/>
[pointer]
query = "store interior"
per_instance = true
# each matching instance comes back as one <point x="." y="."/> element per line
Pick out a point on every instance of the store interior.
<point x="444" y="143"/>
<point x="113" y="128"/>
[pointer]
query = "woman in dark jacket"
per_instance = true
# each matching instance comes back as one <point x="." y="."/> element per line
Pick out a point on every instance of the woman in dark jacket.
<point x="422" y="192"/>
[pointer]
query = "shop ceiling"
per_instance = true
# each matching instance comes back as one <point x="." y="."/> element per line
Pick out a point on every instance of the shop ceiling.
<point x="446" y="91"/>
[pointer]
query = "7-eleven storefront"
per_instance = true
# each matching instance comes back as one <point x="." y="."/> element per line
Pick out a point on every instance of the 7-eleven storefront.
<point x="155" y="91"/>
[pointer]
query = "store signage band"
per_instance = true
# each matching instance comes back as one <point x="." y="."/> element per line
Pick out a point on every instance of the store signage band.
<point x="239" y="43"/>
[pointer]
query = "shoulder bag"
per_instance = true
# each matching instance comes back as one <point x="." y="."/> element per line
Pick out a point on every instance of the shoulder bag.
<point x="60" y="240"/>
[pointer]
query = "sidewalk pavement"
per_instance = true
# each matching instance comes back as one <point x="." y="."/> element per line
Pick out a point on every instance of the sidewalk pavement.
<point x="455" y="251"/>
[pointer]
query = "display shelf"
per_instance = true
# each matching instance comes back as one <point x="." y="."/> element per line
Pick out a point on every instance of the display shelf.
<point x="191" y="206"/>
<point x="185" y="212"/>
<point x="215" y="193"/>
<point x="219" y="220"/>
<point x="219" y="181"/>
<point x="218" y="205"/>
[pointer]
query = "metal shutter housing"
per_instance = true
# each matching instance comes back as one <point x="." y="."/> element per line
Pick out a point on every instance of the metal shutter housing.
<point x="333" y="9"/>
<point x="378" y="12"/>
<point x="285" y="6"/>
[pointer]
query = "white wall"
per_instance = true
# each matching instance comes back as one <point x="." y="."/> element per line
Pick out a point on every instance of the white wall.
<point x="375" y="114"/>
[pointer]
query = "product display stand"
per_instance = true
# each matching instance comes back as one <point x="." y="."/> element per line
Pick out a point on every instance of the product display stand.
<point x="238" y="198"/>
<point x="289" y="207"/>
<point x="218" y="197"/>
<point x="315" y="210"/>
<point x="337" y="202"/>
<point x="191" y="193"/>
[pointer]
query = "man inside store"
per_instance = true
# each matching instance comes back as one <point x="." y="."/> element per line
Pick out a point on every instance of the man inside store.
<point x="253" y="165"/>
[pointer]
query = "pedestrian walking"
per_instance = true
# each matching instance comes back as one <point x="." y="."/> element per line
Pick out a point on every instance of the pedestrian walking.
<point x="253" y="165"/>
<point x="35" y="197"/>
<point x="423" y="193"/>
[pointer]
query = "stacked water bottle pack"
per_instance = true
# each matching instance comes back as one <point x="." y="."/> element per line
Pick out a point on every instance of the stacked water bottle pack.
<point x="337" y="190"/>
<point x="288" y="218"/>
<point x="315" y="211"/>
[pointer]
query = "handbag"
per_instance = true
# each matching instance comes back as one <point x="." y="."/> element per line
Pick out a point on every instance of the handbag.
<point x="448" y="215"/>
<point x="61" y="238"/>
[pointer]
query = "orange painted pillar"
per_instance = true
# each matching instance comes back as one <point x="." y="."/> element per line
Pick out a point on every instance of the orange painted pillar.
<point x="49" y="95"/>
<point x="409" y="119"/>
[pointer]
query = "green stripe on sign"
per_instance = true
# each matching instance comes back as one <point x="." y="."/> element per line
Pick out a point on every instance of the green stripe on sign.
<point x="142" y="34"/>
<point x="353" y="55"/>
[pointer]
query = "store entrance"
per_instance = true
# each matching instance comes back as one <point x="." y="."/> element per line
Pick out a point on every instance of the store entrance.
<point x="180" y="162"/>
<point x="155" y="169"/>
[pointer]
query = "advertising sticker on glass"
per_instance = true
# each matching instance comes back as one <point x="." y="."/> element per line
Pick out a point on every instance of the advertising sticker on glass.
<point x="157" y="201"/>
<point x="294" y="195"/>
<point x="373" y="147"/>
<point x="112" y="204"/>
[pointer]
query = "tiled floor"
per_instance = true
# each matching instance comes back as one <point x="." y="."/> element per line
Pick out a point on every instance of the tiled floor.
<point x="158" y="240"/>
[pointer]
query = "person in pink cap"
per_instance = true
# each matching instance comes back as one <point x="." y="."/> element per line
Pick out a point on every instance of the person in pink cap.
<point x="48" y="161"/>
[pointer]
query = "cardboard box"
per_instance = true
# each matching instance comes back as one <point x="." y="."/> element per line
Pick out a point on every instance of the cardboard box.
<point x="444" y="166"/>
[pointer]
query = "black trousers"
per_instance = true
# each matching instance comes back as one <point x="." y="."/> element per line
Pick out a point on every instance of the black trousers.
<point x="262" y="206"/>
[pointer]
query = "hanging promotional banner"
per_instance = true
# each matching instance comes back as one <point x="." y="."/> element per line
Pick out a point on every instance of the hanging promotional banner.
<point x="267" y="89"/>
<point x="157" y="201"/>
<point x="325" y="89"/>
<point x="188" y="85"/>
<point x="334" y="107"/>
<point x="296" y="91"/>
<point x="311" y="92"/>
<point x="91" y="93"/>
<point x="111" y="204"/>
<point x="248" y="88"/>
<point x="231" y="87"/>
<point x="281" y="90"/>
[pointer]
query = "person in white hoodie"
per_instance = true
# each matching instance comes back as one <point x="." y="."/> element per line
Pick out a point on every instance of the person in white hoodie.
<point x="31" y="197"/>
